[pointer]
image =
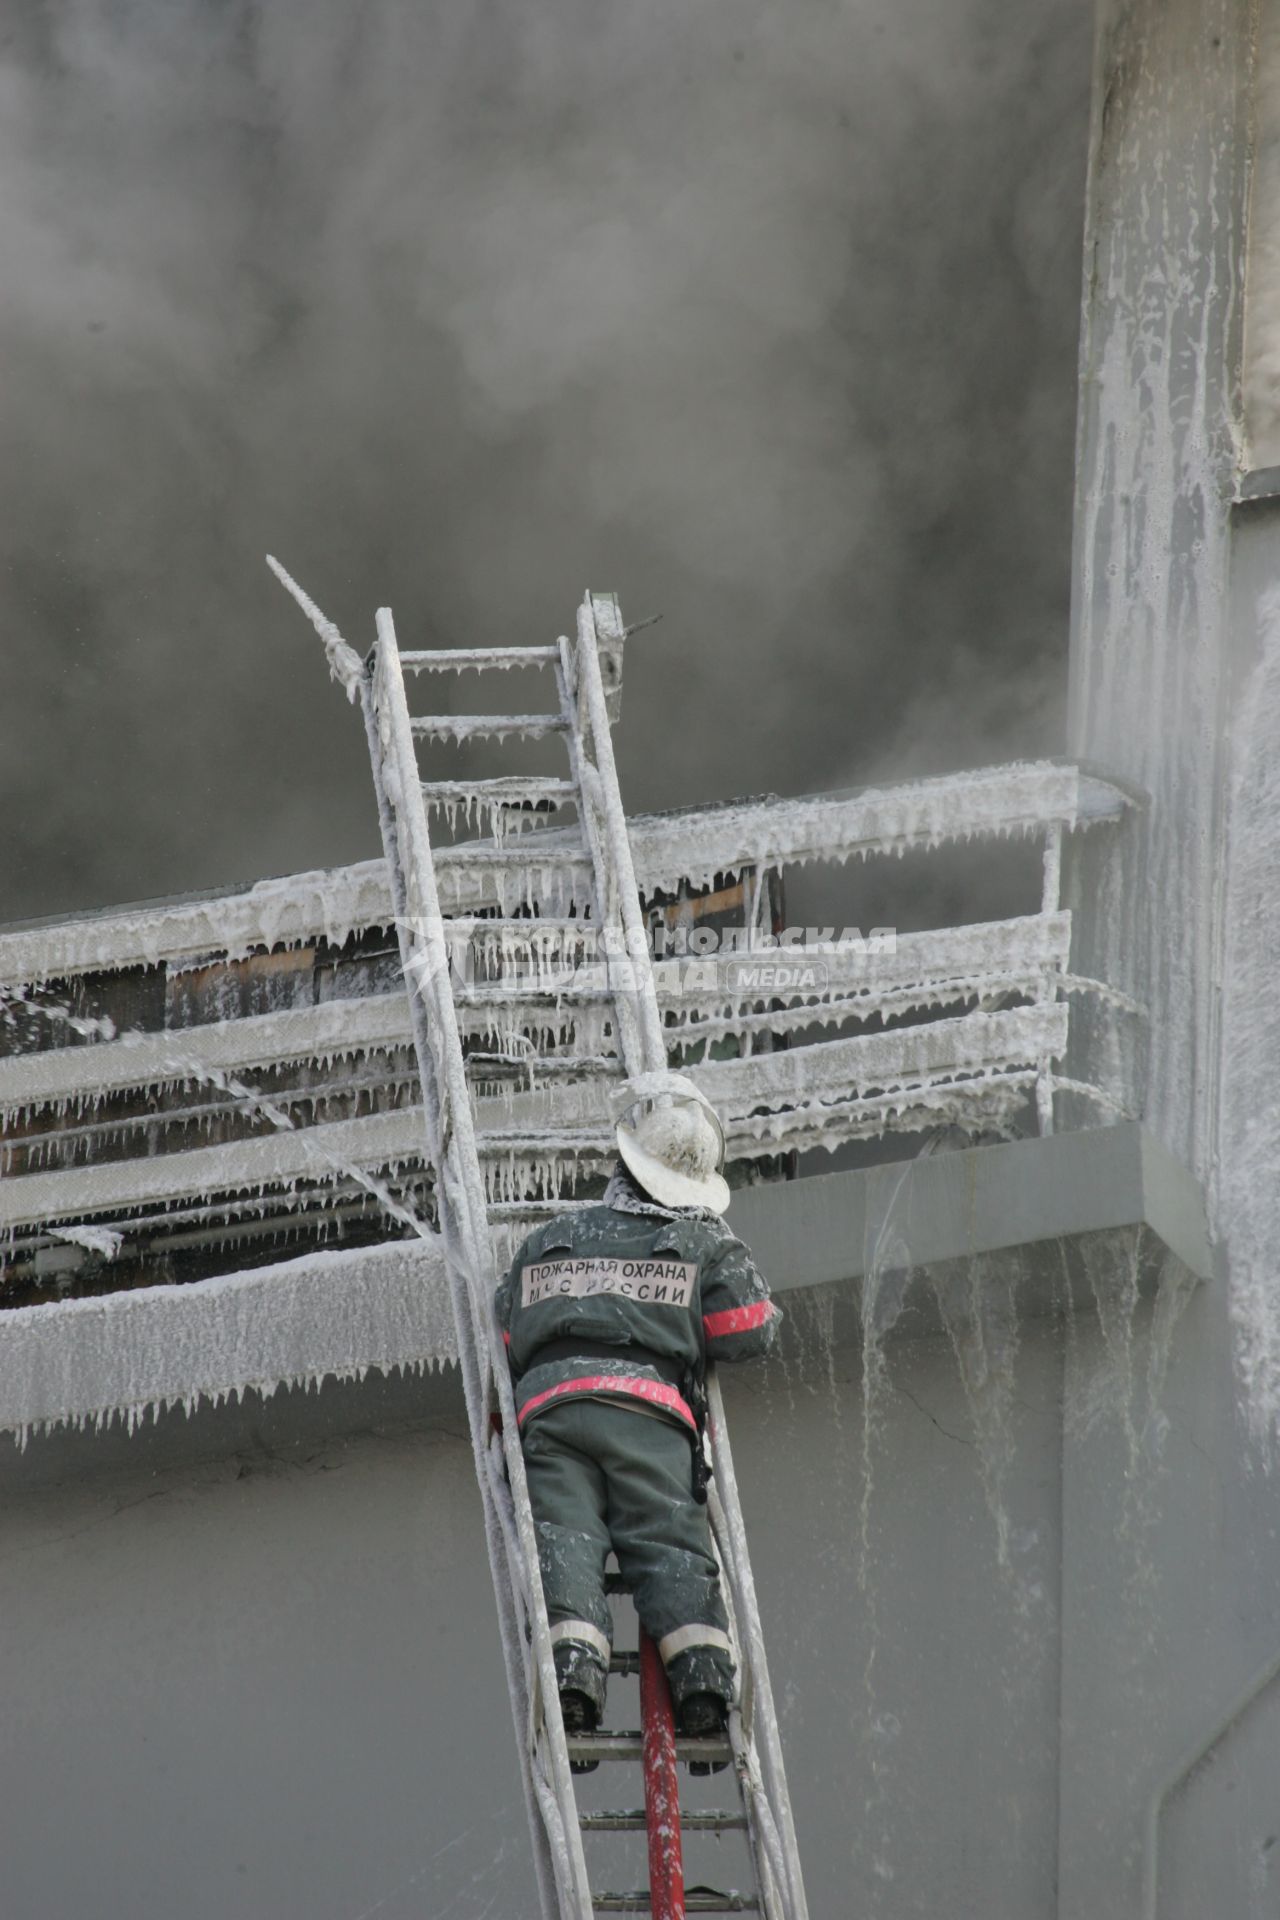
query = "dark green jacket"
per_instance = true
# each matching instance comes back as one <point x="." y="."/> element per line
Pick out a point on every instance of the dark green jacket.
<point x="650" y="1299"/>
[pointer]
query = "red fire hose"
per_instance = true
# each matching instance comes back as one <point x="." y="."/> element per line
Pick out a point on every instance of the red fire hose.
<point x="661" y="1787"/>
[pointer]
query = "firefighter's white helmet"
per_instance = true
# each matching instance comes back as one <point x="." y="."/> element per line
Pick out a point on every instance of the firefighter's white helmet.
<point x="671" y="1140"/>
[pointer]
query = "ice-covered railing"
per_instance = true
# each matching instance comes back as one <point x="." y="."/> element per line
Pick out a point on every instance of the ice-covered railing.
<point x="973" y="1071"/>
<point x="978" y="1064"/>
<point x="169" y="1130"/>
<point x="1039" y="798"/>
<point x="1027" y="798"/>
<point x="294" y="910"/>
<point x="706" y="997"/>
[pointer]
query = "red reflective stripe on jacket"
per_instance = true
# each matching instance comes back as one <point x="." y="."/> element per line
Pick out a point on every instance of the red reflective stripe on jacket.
<point x="656" y="1392"/>
<point x="736" y="1319"/>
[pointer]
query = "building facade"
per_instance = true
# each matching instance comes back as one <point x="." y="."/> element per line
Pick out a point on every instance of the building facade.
<point x="1009" y="1480"/>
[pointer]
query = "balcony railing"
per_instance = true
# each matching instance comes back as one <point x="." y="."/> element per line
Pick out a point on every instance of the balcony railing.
<point x="134" y="1103"/>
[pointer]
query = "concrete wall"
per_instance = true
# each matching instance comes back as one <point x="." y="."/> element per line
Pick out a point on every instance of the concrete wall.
<point x="250" y="1659"/>
<point x="1169" y="1626"/>
<point x="251" y="1665"/>
<point x="237" y="1653"/>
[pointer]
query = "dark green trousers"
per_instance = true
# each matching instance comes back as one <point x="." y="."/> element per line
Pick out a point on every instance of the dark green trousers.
<point x="602" y="1475"/>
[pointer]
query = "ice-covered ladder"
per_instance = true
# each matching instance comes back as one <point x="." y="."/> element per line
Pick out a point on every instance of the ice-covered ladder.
<point x="581" y="716"/>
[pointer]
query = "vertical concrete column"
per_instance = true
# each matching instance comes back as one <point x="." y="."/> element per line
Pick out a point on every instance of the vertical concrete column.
<point x="1156" y="472"/>
<point x="1164" y="1687"/>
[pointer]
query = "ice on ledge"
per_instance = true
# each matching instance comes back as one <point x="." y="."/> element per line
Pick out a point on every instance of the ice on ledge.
<point x="329" y="1315"/>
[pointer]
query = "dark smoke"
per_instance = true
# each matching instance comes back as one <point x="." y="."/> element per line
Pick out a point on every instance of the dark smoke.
<point x="764" y="316"/>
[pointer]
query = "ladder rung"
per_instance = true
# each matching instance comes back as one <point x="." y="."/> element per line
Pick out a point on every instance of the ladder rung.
<point x="628" y="1746"/>
<point x="577" y="1066"/>
<point x="497" y="994"/>
<point x="553" y="942"/>
<point x="535" y="1209"/>
<point x="632" y="1820"/>
<point x="458" y="659"/>
<point x="560" y="1140"/>
<point x="482" y="1020"/>
<point x="483" y="923"/>
<point x="574" y="1066"/>
<point x="509" y="791"/>
<point x="580" y="1065"/>
<point x="522" y="851"/>
<point x="492" y="726"/>
<point x="696" y="1900"/>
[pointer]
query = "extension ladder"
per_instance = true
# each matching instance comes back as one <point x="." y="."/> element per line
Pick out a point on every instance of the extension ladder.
<point x="428" y="944"/>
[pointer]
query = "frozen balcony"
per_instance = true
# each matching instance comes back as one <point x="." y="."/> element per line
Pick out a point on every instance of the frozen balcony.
<point x="221" y="1068"/>
<point x="212" y="1140"/>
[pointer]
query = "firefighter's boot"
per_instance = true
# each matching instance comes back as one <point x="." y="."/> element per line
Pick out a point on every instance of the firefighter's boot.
<point x="581" y="1681"/>
<point x="703" y="1715"/>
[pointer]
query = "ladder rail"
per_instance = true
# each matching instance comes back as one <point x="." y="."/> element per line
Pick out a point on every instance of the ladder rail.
<point x="761" y="1768"/>
<point x="605" y="830"/>
<point x="496" y="1547"/>
<point x="469" y="1261"/>
<point x="463" y="1214"/>
<point x="731" y="1538"/>
<point x="647" y="1013"/>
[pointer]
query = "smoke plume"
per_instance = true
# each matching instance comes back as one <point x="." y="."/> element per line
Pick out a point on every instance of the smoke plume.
<point x="764" y="317"/>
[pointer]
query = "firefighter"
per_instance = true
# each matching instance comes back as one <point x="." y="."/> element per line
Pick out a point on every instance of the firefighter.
<point x="610" y="1314"/>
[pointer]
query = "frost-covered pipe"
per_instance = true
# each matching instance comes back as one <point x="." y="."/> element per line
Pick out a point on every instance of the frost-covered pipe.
<point x="245" y="1166"/>
<point x="973" y="1042"/>
<point x="1024" y="798"/>
<point x="297" y="908"/>
<point x="911" y="1068"/>
<point x="923" y="971"/>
